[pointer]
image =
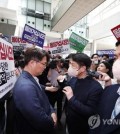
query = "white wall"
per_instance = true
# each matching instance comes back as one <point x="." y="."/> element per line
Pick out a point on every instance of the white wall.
<point x="103" y="28"/>
<point x="101" y="33"/>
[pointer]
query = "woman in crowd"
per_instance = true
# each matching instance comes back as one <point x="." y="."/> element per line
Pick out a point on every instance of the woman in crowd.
<point x="105" y="67"/>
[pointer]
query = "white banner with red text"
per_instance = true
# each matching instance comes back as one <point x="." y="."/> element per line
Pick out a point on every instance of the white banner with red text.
<point x="19" y="44"/>
<point x="60" y="47"/>
<point x="7" y="73"/>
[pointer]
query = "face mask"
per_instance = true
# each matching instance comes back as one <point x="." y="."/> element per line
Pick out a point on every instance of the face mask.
<point x="95" y="62"/>
<point x="72" y="72"/>
<point x="116" y="69"/>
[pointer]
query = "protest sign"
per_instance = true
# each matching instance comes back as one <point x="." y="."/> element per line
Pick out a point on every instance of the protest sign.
<point x="33" y="36"/>
<point x="116" y="32"/>
<point x="7" y="73"/>
<point x="77" y="42"/>
<point x="60" y="47"/>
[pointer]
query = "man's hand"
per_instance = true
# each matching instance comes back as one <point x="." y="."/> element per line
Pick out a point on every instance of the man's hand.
<point x="104" y="77"/>
<point x="51" y="88"/>
<point x="54" y="117"/>
<point x="61" y="78"/>
<point x="68" y="92"/>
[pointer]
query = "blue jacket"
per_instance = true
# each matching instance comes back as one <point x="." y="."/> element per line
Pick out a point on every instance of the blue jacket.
<point x="105" y="108"/>
<point x="32" y="108"/>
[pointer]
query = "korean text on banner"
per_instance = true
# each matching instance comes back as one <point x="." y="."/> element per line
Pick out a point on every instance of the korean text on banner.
<point x="33" y="36"/>
<point x="116" y="32"/>
<point x="7" y="73"/>
<point x="77" y="42"/>
<point x="18" y="43"/>
<point x="110" y="52"/>
<point x="60" y="47"/>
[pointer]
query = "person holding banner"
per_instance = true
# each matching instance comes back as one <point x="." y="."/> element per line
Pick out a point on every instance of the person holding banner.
<point x="34" y="114"/>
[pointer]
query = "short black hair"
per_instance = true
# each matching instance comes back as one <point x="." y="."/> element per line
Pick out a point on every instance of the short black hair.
<point x="106" y="55"/>
<point x="82" y="59"/>
<point x="66" y="65"/>
<point x="117" y="43"/>
<point x="70" y="55"/>
<point x="53" y="64"/>
<point x="108" y="66"/>
<point x="94" y="55"/>
<point x="35" y="54"/>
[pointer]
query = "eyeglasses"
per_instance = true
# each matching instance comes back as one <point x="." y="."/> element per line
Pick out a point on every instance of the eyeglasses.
<point x="44" y="64"/>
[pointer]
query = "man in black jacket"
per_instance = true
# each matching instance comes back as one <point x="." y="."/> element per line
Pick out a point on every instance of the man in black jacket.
<point x="83" y="94"/>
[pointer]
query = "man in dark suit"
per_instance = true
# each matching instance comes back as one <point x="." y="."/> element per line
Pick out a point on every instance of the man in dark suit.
<point x="109" y="105"/>
<point x="34" y="114"/>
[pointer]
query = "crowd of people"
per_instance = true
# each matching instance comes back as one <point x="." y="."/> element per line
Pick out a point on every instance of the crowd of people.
<point x="81" y="86"/>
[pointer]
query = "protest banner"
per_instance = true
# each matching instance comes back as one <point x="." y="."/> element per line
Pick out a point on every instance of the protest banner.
<point x="18" y="43"/>
<point x="33" y="36"/>
<point x="7" y="73"/>
<point x="110" y="52"/>
<point x="116" y="32"/>
<point x="77" y="42"/>
<point x="60" y="47"/>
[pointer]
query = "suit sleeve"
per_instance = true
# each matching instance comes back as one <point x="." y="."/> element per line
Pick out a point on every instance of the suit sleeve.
<point x="28" y="103"/>
<point x="89" y="108"/>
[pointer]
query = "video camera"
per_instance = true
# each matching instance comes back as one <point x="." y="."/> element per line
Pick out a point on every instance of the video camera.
<point x="94" y="74"/>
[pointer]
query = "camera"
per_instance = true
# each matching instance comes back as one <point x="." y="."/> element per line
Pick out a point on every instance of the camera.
<point x="48" y="84"/>
<point x="94" y="74"/>
<point x="53" y="64"/>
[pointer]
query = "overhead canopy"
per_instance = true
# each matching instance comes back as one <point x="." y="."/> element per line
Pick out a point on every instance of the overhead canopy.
<point x="72" y="11"/>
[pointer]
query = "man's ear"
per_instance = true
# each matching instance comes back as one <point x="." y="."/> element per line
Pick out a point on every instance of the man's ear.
<point x="83" y="68"/>
<point x="31" y="63"/>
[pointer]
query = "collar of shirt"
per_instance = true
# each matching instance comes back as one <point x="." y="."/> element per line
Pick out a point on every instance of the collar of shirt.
<point x="37" y="80"/>
<point x="118" y="91"/>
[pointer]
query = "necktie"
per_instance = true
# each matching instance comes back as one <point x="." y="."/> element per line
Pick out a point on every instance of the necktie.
<point x="116" y="109"/>
<point x="38" y="82"/>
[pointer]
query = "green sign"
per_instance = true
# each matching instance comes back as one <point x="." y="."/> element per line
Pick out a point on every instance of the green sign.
<point x="77" y="42"/>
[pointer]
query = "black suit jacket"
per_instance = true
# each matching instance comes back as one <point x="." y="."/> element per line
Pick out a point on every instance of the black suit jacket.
<point x="83" y="104"/>
<point x="33" y="111"/>
<point x="105" y="108"/>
